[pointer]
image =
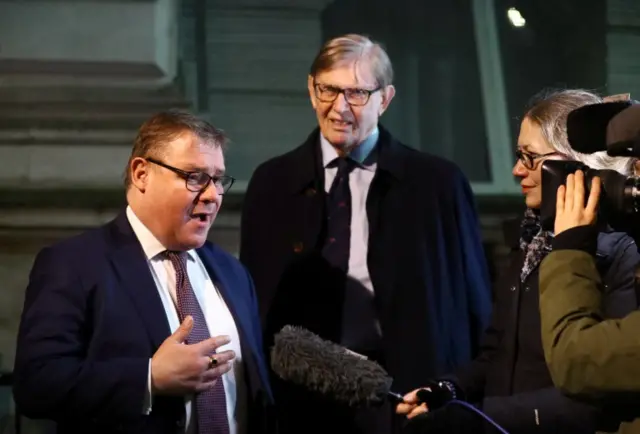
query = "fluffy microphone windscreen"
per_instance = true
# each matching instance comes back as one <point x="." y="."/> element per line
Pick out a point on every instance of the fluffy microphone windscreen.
<point x="305" y="359"/>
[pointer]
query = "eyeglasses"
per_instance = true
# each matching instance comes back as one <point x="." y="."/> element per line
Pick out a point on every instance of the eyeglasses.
<point x="528" y="159"/>
<point x="198" y="181"/>
<point x="353" y="96"/>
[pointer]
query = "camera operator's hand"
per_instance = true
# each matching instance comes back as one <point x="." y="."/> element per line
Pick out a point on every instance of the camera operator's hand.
<point x="570" y="209"/>
<point x="410" y="405"/>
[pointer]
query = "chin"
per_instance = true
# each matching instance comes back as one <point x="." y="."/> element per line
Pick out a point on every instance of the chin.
<point x="532" y="202"/>
<point x="338" y="138"/>
<point x="192" y="241"/>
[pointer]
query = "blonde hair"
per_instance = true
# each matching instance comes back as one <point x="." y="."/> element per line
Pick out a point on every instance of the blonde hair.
<point x="354" y="48"/>
<point x="550" y="109"/>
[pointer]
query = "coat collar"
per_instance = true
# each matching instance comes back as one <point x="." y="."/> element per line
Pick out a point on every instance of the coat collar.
<point x="308" y="170"/>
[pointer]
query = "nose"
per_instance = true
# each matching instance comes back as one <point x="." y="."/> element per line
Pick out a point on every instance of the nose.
<point x="519" y="170"/>
<point x="340" y="104"/>
<point x="209" y="194"/>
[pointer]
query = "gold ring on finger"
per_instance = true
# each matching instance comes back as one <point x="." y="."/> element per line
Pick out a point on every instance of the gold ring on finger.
<point x="213" y="362"/>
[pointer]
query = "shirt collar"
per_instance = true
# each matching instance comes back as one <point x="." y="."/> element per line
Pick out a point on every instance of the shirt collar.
<point x="361" y="154"/>
<point x="150" y="244"/>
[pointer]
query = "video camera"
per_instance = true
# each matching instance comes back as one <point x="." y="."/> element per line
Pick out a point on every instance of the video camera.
<point x="613" y="127"/>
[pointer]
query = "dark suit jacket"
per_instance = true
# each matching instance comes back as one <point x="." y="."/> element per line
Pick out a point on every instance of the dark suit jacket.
<point x="510" y="379"/>
<point x="92" y="319"/>
<point x="425" y="257"/>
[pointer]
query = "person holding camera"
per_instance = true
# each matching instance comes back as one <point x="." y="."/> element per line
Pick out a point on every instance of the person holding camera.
<point x="588" y="355"/>
<point x="509" y="380"/>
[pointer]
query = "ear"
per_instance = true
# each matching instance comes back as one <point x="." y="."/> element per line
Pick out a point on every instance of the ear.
<point x="139" y="170"/>
<point x="312" y="92"/>
<point x="387" y="95"/>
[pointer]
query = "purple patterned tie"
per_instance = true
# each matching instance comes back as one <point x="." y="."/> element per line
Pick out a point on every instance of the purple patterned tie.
<point x="211" y="405"/>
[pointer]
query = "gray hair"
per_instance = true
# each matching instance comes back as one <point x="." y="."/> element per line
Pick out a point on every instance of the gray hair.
<point x="353" y="48"/>
<point x="550" y="109"/>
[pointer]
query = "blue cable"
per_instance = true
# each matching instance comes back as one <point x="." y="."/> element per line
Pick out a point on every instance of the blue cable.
<point x="478" y="412"/>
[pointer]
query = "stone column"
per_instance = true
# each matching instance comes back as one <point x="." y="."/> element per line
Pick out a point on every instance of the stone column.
<point x="76" y="80"/>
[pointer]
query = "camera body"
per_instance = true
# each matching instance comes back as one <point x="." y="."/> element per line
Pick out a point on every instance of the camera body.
<point x="613" y="127"/>
<point x="619" y="201"/>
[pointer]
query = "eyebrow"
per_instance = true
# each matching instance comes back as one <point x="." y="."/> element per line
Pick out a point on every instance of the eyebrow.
<point x="192" y="168"/>
<point x="334" y="86"/>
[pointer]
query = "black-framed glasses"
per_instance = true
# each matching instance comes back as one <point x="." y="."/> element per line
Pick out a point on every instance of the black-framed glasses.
<point x="353" y="95"/>
<point x="528" y="159"/>
<point x="198" y="181"/>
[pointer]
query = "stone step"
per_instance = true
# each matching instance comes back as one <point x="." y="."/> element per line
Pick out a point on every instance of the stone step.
<point x="79" y="115"/>
<point x="90" y="94"/>
<point x="69" y="136"/>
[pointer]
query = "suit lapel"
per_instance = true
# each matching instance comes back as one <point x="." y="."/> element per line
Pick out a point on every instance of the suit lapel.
<point x="388" y="175"/>
<point x="134" y="277"/>
<point x="238" y="309"/>
<point x="241" y="314"/>
<point x="307" y="195"/>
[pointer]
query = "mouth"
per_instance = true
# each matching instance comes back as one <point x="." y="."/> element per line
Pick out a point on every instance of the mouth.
<point x="202" y="217"/>
<point x="339" y="123"/>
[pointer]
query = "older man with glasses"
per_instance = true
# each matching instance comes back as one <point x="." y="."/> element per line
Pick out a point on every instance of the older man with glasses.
<point x="364" y="241"/>
<point x="142" y="325"/>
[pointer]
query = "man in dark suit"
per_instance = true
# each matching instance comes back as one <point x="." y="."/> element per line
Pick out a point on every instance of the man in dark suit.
<point x="364" y="241"/>
<point x="96" y="351"/>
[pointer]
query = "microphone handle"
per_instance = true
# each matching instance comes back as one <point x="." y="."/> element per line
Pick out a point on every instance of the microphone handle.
<point x="394" y="397"/>
<point x="425" y="396"/>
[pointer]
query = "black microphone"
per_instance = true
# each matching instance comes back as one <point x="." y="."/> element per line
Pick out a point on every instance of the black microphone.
<point x="303" y="358"/>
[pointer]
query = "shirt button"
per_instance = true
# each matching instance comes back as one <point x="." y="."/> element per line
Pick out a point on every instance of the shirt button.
<point x="298" y="247"/>
<point x="513" y="288"/>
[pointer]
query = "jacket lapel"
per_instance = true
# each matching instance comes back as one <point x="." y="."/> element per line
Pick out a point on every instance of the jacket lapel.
<point x="134" y="277"/>
<point x="240" y="310"/>
<point x="389" y="173"/>
<point x="307" y="195"/>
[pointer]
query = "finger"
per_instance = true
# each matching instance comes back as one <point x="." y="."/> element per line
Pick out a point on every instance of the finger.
<point x="182" y="333"/>
<point x="222" y="357"/>
<point x="217" y="372"/>
<point x="411" y="397"/>
<point x="210" y="345"/>
<point x="568" y="196"/>
<point x="560" y="200"/>
<point x="578" y="190"/>
<point x="418" y="411"/>
<point x="403" y="408"/>
<point x="202" y="387"/>
<point x="594" y="197"/>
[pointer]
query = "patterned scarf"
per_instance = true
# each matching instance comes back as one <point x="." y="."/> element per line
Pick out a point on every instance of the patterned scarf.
<point x="535" y="242"/>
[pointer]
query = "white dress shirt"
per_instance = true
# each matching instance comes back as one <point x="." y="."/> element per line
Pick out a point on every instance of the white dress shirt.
<point x="360" y="325"/>
<point x="217" y="315"/>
